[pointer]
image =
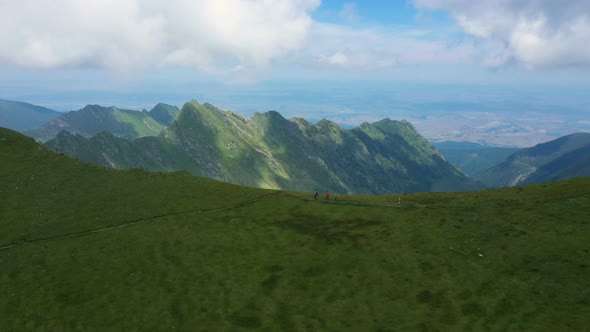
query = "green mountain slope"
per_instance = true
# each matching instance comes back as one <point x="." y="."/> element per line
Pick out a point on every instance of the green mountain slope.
<point x="473" y="158"/>
<point x="109" y="150"/>
<point x="88" y="248"/>
<point x="270" y="151"/>
<point x="545" y="158"/>
<point x="93" y="119"/>
<point x="164" y="114"/>
<point x="573" y="164"/>
<point x="21" y="116"/>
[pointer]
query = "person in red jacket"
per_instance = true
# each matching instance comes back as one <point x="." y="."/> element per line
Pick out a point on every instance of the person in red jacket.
<point x="327" y="195"/>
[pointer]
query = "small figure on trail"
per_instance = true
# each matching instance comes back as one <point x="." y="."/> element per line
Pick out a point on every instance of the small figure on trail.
<point x="327" y="195"/>
<point x="315" y="195"/>
<point x="335" y="197"/>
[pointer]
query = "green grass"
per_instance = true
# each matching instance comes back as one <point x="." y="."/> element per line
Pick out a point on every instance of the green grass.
<point x="513" y="259"/>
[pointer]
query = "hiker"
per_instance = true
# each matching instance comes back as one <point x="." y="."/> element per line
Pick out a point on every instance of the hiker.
<point x="315" y="195"/>
<point x="327" y="195"/>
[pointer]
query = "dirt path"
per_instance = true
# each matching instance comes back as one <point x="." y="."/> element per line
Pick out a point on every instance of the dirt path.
<point x="135" y="222"/>
<point x="405" y="204"/>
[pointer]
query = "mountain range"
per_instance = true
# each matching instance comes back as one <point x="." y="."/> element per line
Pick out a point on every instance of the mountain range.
<point x="270" y="151"/>
<point x="93" y="119"/>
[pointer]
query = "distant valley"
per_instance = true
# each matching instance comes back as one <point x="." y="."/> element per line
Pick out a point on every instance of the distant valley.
<point x="473" y="158"/>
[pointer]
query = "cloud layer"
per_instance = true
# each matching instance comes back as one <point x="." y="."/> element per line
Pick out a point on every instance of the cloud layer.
<point x="128" y="34"/>
<point x="536" y="33"/>
<point x="376" y="48"/>
<point x="236" y="36"/>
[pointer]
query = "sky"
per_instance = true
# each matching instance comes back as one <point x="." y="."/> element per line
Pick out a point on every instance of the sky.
<point x="252" y="55"/>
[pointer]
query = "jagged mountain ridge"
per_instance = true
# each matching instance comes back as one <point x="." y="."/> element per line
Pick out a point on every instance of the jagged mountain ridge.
<point x="270" y="151"/>
<point x="93" y="119"/>
<point x="559" y="159"/>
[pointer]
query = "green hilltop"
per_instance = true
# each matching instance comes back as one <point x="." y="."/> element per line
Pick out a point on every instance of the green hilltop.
<point x="270" y="151"/>
<point x="88" y="248"/>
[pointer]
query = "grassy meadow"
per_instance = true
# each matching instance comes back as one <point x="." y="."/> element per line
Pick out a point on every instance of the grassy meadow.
<point x="87" y="248"/>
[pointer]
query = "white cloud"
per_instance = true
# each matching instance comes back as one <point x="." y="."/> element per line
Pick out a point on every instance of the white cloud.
<point x="337" y="59"/>
<point x="536" y="33"/>
<point x="130" y="34"/>
<point x="375" y="48"/>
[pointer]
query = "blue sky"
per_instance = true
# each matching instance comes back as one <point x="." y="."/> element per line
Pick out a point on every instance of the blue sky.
<point x="66" y="53"/>
<point x="399" y="13"/>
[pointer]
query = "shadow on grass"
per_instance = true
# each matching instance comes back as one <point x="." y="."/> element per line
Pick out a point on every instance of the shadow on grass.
<point x="349" y="231"/>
